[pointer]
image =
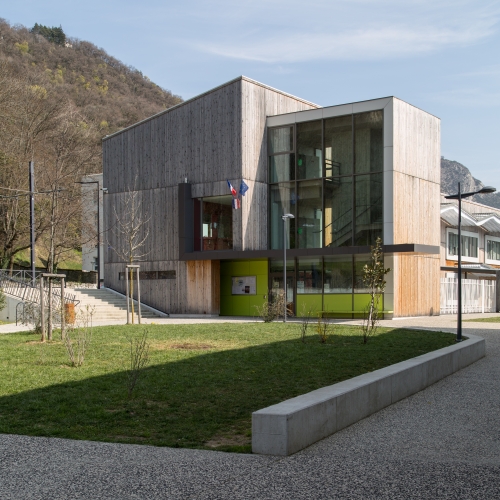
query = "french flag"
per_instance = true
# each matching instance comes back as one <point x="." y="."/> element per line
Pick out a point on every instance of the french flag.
<point x="231" y="188"/>
<point x="236" y="203"/>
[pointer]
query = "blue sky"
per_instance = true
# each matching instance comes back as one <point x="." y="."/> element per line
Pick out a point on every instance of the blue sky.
<point x="440" y="55"/>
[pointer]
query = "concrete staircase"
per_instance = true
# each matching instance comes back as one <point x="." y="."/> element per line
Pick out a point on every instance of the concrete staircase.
<point x="109" y="306"/>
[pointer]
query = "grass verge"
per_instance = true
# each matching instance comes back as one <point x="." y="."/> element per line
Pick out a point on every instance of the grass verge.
<point x="494" y="319"/>
<point x="201" y="386"/>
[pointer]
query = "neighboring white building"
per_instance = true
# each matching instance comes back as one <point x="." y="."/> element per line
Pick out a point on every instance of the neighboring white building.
<point x="480" y="237"/>
<point x="91" y="193"/>
<point x="480" y="257"/>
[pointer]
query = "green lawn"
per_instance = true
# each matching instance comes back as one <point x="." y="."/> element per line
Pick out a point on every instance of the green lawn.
<point x="201" y="385"/>
<point x="494" y="319"/>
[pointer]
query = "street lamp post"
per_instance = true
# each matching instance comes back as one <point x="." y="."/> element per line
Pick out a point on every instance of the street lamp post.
<point x="285" y="217"/>
<point x="459" y="196"/>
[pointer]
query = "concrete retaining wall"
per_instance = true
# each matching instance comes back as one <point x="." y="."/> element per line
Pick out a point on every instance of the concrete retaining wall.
<point x="9" y="312"/>
<point x="292" y="425"/>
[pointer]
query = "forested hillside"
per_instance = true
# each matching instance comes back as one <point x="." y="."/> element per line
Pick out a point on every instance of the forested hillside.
<point x="58" y="97"/>
<point x="103" y="89"/>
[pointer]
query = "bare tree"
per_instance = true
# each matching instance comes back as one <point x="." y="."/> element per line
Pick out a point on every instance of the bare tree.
<point x="27" y="112"/>
<point x="71" y="153"/>
<point x="130" y="232"/>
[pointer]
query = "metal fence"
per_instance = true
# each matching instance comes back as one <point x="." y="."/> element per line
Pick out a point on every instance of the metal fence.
<point x="478" y="296"/>
<point x="19" y="285"/>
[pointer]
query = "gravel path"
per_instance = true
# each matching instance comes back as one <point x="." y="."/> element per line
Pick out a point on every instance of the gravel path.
<point x="443" y="442"/>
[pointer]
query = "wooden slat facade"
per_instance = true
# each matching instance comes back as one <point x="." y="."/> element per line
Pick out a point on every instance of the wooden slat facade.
<point x="416" y="209"/>
<point x="217" y="136"/>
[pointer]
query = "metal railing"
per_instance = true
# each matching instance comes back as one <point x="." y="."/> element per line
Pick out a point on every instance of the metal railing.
<point x="21" y="286"/>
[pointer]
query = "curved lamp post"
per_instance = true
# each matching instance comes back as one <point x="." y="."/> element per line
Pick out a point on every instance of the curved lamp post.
<point x="459" y="196"/>
<point x="285" y="217"/>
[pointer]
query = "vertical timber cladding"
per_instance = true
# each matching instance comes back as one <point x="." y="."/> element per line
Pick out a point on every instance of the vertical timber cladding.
<point x="417" y="279"/>
<point x="416" y="210"/>
<point x="203" y="287"/>
<point x="199" y="139"/>
<point x="218" y="135"/>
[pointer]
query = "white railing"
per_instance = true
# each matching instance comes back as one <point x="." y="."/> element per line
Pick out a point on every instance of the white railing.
<point x="478" y="296"/>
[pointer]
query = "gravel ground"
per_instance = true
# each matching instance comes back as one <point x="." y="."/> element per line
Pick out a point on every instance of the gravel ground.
<point x="443" y="442"/>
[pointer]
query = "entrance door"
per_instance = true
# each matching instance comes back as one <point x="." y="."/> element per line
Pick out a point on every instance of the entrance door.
<point x="276" y="282"/>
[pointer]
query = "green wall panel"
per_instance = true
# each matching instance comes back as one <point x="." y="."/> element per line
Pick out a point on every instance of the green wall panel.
<point x="338" y="302"/>
<point x="362" y="300"/>
<point x="242" y="305"/>
<point x="308" y="302"/>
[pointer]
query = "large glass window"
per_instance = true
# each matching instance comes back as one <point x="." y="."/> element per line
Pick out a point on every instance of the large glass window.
<point x="368" y="203"/>
<point x="310" y="214"/>
<point x="217" y="223"/>
<point x="338" y="211"/>
<point x="280" y="140"/>
<point x="368" y="142"/>
<point x="338" y="274"/>
<point x="492" y="249"/>
<point x="282" y="167"/>
<point x="309" y="275"/>
<point x="360" y="261"/>
<point x="344" y="206"/>
<point x="283" y="201"/>
<point x="470" y="243"/>
<point x="309" y="150"/>
<point x="338" y="146"/>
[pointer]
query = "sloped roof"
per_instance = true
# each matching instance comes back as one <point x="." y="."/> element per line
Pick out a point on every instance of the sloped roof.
<point x="489" y="222"/>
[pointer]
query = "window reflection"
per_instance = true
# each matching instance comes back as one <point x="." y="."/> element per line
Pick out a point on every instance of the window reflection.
<point x="338" y="212"/>
<point x="282" y="168"/>
<point x="338" y="146"/>
<point x="280" y="140"/>
<point x="359" y="263"/>
<point x="344" y="206"/>
<point x="309" y="150"/>
<point x="310" y="214"/>
<point x="368" y="204"/>
<point x="283" y="201"/>
<point x="368" y="142"/>
<point x="338" y="274"/>
<point x="217" y="223"/>
<point x="310" y="275"/>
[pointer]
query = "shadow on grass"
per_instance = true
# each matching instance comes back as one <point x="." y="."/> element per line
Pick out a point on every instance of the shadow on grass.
<point x="206" y="399"/>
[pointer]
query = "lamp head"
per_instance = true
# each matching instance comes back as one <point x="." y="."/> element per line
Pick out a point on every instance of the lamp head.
<point x="487" y="189"/>
<point x="288" y="216"/>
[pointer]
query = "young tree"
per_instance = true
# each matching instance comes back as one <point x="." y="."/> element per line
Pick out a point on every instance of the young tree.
<point x="374" y="279"/>
<point x="129" y="232"/>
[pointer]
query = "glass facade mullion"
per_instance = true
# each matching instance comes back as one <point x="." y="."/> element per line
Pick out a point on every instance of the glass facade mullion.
<point x="329" y="174"/>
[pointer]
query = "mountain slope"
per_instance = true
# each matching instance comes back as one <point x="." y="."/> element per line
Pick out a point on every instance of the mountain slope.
<point x="105" y="90"/>
<point x="453" y="172"/>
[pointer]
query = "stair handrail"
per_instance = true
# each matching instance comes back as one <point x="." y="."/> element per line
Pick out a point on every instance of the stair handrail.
<point x="24" y="289"/>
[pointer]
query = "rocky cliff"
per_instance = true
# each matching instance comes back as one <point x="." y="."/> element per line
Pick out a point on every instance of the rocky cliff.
<point x="453" y="172"/>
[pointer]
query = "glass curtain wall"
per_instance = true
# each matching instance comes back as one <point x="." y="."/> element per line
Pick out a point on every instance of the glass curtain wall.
<point x="339" y="274"/>
<point x="330" y="178"/>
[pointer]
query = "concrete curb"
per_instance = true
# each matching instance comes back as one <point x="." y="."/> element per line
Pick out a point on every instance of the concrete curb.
<point x="290" y="426"/>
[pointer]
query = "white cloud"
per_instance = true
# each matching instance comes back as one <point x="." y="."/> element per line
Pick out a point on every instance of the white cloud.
<point x="468" y="97"/>
<point x="339" y="30"/>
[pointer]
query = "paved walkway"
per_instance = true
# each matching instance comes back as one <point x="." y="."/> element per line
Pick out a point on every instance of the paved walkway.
<point x="443" y="442"/>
